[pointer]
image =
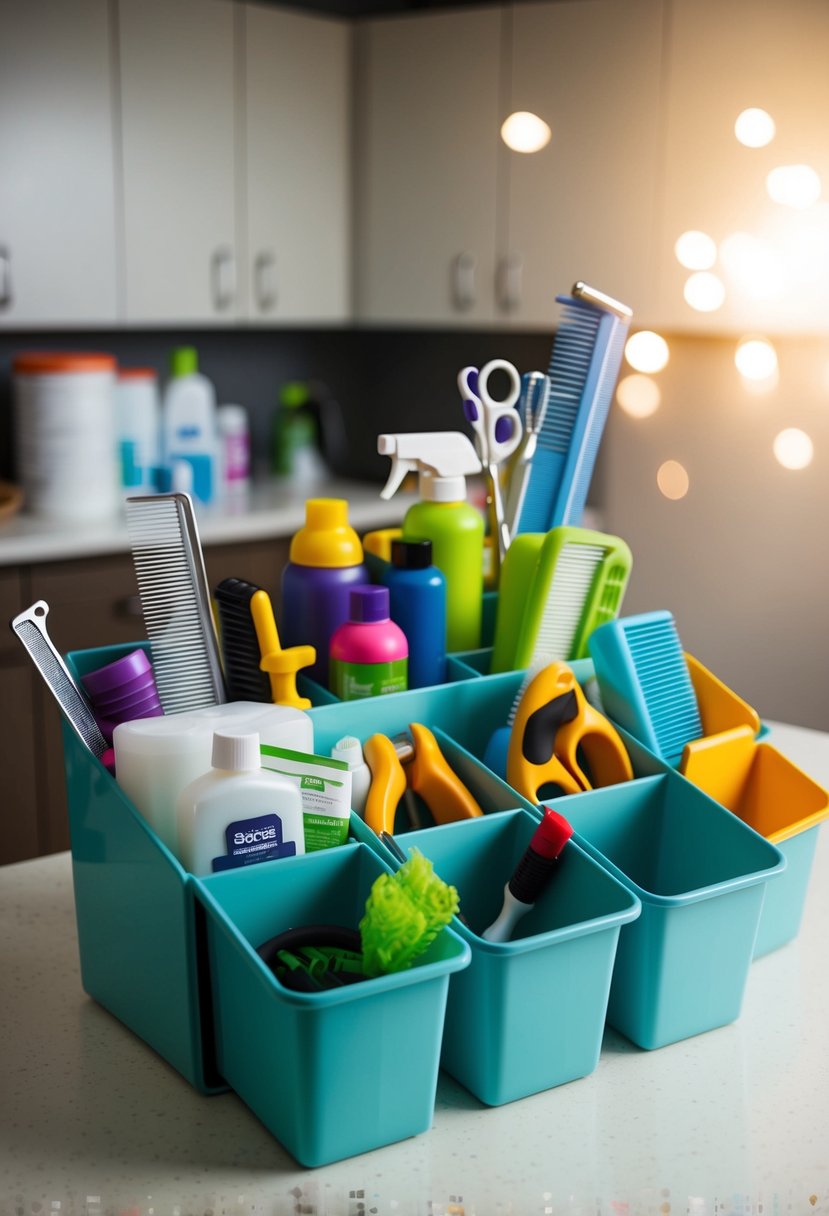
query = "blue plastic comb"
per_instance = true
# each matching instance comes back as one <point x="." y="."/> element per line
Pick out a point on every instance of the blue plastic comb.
<point x="584" y="365"/>
<point x="644" y="682"/>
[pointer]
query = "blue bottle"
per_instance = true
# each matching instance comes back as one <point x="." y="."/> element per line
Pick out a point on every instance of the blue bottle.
<point x="417" y="601"/>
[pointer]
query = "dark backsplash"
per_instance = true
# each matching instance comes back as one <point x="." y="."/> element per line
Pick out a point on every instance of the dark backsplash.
<point x="383" y="380"/>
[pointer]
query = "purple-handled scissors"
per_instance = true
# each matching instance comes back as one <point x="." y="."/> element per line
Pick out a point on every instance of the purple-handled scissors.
<point x="498" y="430"/>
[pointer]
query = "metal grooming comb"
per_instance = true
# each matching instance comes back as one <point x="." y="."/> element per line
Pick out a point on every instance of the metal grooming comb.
<point x="175" y="600"/>
<point x="30" y="627"/>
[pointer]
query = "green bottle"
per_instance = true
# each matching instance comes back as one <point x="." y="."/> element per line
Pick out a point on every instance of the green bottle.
<point x="443" y="460"/>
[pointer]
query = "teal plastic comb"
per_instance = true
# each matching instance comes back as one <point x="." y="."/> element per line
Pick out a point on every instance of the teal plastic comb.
<point x="644" y="682"/>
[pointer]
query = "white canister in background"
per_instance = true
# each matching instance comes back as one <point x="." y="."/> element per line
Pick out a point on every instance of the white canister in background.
<point x="138" y="428"/>
<point x="65" y="433"/>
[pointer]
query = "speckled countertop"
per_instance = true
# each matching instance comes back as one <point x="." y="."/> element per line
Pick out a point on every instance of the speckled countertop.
<point x="733" y="1121"/>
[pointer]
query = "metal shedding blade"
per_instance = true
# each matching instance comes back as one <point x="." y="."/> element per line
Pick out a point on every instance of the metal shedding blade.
<point x="30" y="627"/>
<point x="175" y="601"/>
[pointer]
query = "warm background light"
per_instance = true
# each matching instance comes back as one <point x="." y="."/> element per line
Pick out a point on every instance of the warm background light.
<point x="525" y="132"/>
<point x="672" y="479"/>
<point x="647" y="351"/>
<point x="754" y="128"/>
<point x="795" y="186"/>
<point x="793" y="448"/>
<point x="704" y="291"/>
<point x="695" y="250"/>
<point x="752" y="266"/>
<point x="756" y="359"/>
<point x="638" y="395"/>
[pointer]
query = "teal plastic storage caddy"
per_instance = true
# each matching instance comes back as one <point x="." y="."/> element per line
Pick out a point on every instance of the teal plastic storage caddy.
<point x="335" y="1073"/>
<point x="701" y="875"/>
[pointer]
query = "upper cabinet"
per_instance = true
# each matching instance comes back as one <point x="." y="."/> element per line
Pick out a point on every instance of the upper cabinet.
<point x="456" y="228"/>
<point x="584" y="206"/>
<point x="297" y="136"/>
<point x="771" y="258"/>
<point x="427" y="166"/>
<point x="179" y="159"/>
<point x="235" y="129"/>
<point x="57" y="184"/>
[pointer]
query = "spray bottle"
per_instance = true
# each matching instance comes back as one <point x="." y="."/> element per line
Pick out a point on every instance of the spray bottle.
<point x="444" y="459"/>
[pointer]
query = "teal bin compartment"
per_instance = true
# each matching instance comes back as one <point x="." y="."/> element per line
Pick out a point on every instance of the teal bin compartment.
<point x="528" y="1014"/>
<point x="141" y="948"/>
<point x="701" y="875"/>
<point x="330" y="1074"/>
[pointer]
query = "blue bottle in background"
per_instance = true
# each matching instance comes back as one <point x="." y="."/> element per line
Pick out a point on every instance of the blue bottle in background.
<point x="417" y="602"/>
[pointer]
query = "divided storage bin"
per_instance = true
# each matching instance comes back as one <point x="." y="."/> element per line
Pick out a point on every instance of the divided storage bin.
<point x="527" y="1014"/>
<point x="701" y="875"/>
<point x="330" y="1074"/>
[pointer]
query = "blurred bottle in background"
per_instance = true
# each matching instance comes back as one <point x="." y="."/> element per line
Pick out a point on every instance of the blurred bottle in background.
<point x="234" y="436"/>
<point x="189" y="424"/>
<point x="308" y="435"/>
<point x="138" y="427"/>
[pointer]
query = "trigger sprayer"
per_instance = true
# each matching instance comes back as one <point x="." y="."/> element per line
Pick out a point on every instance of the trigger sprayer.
<point x="443" y="460"/>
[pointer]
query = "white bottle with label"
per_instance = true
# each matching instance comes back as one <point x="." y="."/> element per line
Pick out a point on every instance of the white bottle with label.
<point x="239" y="813"/>
<point x="189" y="424"/>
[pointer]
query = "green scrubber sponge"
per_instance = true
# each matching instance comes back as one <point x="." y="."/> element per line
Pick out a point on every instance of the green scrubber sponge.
<point x="404" y="914"/>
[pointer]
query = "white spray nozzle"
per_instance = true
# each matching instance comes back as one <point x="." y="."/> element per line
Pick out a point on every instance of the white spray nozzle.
<point x="442" y="458"/>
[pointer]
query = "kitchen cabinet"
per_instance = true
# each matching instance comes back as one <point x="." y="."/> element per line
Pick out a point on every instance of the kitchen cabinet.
<point x="235" y="128"/>
<point x="179" y="160"/>
<point x="454" y="228"/>
<point x="297" y="139"/>
<point x="57" y="186"/>
<point x="427" y="167"/>
<point x="773" y="260"/>
<point x="584" y="207"/>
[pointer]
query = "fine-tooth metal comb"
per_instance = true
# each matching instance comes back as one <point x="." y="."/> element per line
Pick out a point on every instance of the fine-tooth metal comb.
<point x="175" y="601"/>
<point x="30" y="627"/>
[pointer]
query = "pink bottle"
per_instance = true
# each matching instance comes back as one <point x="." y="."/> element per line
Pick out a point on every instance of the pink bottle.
<point x="369" y="654"/>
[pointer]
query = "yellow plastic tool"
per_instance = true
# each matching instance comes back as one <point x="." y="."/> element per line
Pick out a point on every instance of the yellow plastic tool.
<point x="378" y="542"/>
<point x="413" y="761"/>
<point x="554" y="727"/>
<point x="756" y="782"/>
<point x="281" y="665"/>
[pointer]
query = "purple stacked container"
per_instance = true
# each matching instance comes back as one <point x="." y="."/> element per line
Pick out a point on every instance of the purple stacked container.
<point x="123" y="690"/>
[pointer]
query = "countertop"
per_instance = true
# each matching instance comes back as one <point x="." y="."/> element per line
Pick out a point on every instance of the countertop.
<point x="733" y="1121"/>
<point x="272" y="508"/>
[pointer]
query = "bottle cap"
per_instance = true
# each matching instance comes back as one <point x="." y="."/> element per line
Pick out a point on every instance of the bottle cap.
<point x="411" y="554"/>
<point x="551" y="835"/>
<point x="236" y="753"/>
<point x="349" y="749"/>
<point x="184" y="361"/>
<point x="327" y="539"/>
<point x="367" y="604"/>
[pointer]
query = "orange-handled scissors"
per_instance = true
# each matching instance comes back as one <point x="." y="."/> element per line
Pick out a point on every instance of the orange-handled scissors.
<point x="414" y="761"/>
<point x="555" y="733"/>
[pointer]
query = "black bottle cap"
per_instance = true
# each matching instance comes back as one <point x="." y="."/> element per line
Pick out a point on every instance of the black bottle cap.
<point x="411" y="554"/>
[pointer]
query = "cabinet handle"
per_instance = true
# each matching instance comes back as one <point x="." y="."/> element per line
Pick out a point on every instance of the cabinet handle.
<point x="463" y="281"/>
<point x="264" y="278"/>
<point x="223" y="275"/>
<point x="510" y="270"/>
<point x="5" y="277"/>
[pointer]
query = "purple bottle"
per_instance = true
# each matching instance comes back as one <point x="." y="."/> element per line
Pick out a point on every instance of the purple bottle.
<point x="326" y="561"/>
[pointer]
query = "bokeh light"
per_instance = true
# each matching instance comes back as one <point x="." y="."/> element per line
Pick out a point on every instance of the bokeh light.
<point x="525" y="132"/>
<point x="695" y="250"/>
<point x="793" y="448"/>
<point x="647" y="351"/>
<point x="638" y="395"/>
<point x="754" y="128"/>
<point x="704" y="291"/>
<point x="673" y="480"/>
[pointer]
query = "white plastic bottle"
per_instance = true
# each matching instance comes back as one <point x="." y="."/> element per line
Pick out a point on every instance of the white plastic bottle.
<point x="350" y="750"/>
<point x="234" y="436"/>
<point x="138" y="423"/>
<point x="238" y="813"/>
<point x="190" y="431"/>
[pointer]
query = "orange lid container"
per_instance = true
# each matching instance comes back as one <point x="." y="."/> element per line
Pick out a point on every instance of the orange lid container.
<point x="61" y="363"/>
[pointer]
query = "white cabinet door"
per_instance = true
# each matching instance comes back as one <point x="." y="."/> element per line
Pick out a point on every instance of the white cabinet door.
<point x="57" y="211"/>
<point x="297" y="139"/>
<point x="773" y="260"/>
<point x="179" y="169"/>
<point x="584" y="206"/>
<point x="428" y="127"/>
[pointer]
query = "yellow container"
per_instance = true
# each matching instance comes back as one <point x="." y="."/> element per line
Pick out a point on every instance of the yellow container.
<point x="772" y="795"/>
